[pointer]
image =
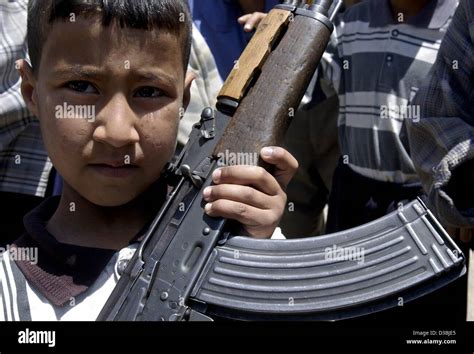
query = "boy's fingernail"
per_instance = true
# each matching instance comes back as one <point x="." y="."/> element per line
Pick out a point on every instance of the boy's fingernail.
<point x="208" y="207"/>
<point x="207" y="192"/>
<point x="267" y="152"/>
<point x="216" y="175"/>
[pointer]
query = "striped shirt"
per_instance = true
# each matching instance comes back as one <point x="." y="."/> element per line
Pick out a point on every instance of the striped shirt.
<point x="443" y="139"/>
<point x="376" y="63"/>
<point x="20" y="301"/>
<point x="24" y="164"/>
<point x="44" y="280"/>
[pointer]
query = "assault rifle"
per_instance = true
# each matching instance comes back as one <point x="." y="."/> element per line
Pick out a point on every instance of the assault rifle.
<point x="190" y="267"/>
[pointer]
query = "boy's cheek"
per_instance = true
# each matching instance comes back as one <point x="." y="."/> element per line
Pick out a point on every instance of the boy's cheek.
<point x="160" y="139"/>
<point x="65" y="139"/>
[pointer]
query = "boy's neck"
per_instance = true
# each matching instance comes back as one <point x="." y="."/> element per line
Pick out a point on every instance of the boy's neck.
<point x="88" y="225"/>
<point x="408" y="7"/>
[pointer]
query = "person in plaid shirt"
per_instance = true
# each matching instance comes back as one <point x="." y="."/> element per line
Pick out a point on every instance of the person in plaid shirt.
<point x="24" y="164"/>
<point x="442" y="142"/>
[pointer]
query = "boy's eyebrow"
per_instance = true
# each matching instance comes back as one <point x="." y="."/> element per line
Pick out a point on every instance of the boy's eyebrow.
<point x="158" y="76"/>
<point x="94" y="73"/>
<point x="78" y="70"/>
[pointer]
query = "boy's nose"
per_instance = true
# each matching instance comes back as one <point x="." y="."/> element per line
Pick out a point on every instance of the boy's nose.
<point x="116" y="124"/>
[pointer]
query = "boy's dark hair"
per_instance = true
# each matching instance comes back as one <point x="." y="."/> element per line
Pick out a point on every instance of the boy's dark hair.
<point x="169" y="15"/>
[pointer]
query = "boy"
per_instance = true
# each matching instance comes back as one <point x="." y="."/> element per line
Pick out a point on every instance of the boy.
<point x="126" y="61"/>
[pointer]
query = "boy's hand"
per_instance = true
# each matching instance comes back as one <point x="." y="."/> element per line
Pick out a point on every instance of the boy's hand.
<point x="251" y="195"/>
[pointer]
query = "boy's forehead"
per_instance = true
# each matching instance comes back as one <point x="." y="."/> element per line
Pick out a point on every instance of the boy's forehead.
<point x="86" y="42"/>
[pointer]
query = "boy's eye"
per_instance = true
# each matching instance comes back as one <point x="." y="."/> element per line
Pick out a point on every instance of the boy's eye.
<point x="81" y="86"/>
<point x="149" y="92"/>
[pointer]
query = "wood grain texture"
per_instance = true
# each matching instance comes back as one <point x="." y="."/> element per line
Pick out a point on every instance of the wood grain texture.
<point x="265" y="113"/>
<point x="255" y="54"/>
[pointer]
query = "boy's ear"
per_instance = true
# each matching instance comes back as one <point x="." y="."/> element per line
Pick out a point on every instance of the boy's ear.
<point x="28" y="85"/>
<point x="190" y="77"/>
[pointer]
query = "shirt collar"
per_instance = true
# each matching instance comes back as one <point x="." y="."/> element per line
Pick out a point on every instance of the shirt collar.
<point x="64" y="271"/>
<point x="434" y="15"/>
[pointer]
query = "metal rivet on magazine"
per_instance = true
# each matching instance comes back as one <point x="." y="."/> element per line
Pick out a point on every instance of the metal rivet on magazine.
<point x="206" y="231"/>
<point x="164" y="296"/>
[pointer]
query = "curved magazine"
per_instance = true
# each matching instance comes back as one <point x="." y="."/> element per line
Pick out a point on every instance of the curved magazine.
<point x="399" y="257"/>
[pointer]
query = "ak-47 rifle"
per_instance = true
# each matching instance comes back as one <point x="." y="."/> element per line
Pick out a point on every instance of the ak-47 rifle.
<point x="189" y="267"/>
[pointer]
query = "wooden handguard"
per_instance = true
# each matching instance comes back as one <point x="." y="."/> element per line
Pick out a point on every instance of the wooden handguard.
<point x="254" y="55"/>
<point x="265" y="112"/>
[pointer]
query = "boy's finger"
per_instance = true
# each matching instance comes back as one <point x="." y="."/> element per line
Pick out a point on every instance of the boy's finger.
<point x="285" y="163"/>
<point x="247" y="176"/>
<point x="241" y="194"/>
<point x="247" y="215"/>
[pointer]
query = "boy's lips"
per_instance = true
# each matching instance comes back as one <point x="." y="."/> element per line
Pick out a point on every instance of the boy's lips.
<point x="118" y="170"/>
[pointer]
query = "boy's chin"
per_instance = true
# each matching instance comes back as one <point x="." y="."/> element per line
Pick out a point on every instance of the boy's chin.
<point x="111" y="201"/>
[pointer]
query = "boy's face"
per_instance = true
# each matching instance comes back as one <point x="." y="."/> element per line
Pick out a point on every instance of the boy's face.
<point x="128" y="86"/>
